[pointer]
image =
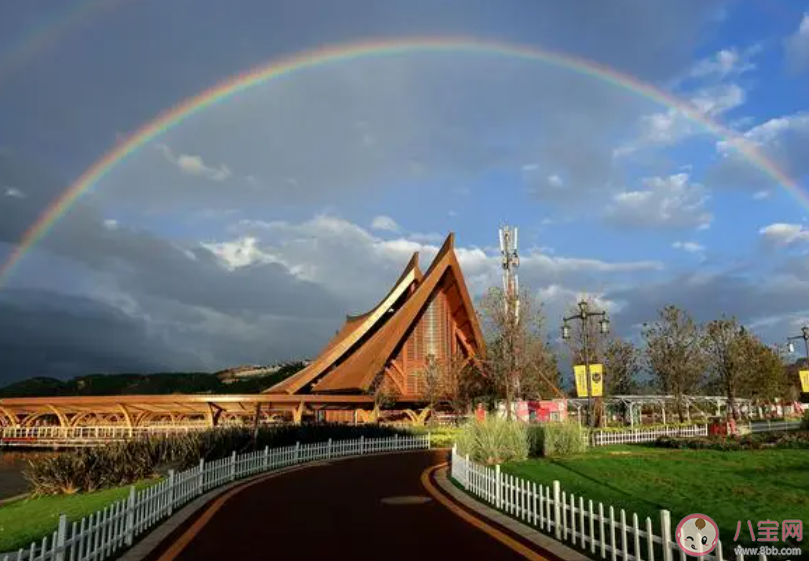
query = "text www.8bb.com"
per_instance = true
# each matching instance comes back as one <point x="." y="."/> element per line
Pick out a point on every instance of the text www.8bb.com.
<point x="767" y="550"/>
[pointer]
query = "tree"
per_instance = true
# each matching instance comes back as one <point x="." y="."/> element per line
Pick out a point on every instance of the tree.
<point x="457" y="376"/>
<point x="622" y="363"/>
<point x="518" y="358"/>
<point x="741" y="365"/>
<point x="432" y="377"/>
<point x="725" y="343"/>
<point x="674" y="354"/>
<point x="764" y="376"/>
<point x="384" y="392"/>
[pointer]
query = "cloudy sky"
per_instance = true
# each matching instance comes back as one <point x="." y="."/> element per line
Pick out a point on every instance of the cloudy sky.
<point x="245" y="233"/>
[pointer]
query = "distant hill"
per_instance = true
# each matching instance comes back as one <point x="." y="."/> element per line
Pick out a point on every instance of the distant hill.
<point x="145" y="384"/>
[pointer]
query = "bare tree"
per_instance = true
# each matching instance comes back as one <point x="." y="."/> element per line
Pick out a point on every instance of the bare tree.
<point x="518" y="358"/>
<point x="432" y="377"/>
<point x="457" y="377"/>
<point x="622" y="363"/>
<point x="385" y="394"/>
<point x="674" y="353"/>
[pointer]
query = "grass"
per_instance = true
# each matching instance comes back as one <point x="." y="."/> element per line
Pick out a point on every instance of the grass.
<point x="27" y="520"/>
<point x="729" y="487"/>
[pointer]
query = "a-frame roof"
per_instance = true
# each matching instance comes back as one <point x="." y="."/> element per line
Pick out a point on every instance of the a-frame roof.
<point x="352" y="331"/>
<point x="358" y="370"/>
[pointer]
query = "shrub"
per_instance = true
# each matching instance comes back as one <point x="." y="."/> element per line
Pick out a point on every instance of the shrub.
<point x="624" y="428"/>
<point x="757" y="441"/>
<point x="805" y="420"/>
<point x="494" y="440"/>
<point x="123" y="463"/>
<point x="440" y="437"/>
<point x="557" y="439"/>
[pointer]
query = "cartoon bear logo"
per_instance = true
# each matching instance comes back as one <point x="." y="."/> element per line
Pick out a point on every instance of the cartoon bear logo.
<point x="697" y="535"/>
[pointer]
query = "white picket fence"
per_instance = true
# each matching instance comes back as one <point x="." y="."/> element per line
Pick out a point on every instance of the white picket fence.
<point x="634" y="436"/>
<point x="106" y="532"/>
<point x="767" y="426"/>
<point x="601" y="530"/>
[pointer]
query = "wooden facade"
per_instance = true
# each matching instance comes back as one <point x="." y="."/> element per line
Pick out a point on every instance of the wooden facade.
<point x="425" y="317"/>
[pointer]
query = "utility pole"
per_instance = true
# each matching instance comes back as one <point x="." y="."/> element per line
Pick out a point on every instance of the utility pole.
<point x="511" y="288"/>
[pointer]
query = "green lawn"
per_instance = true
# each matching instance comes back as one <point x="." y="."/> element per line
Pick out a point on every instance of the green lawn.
<point x="27" y="520"/>
<point x="727" y="486"/>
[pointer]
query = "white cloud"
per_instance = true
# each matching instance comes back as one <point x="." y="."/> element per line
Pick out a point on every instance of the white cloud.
<point x="783" y="140"/>
<point x="797" y="45"/>
<point x="15" y="193"/>
<point x="667" y="202"/>
<point x="358" y="266"/>
<point x="194" y="165"/>
<point x="690" y="247"/>
<point x="672" y="126"/>
<point x="241" y="252"/>
<point x="385" y="223"/>
<point x="426" y="238"/>
<point x="111" y="223"/>
<point x="770" y="133"/>
<point x="709" y="94"/>
<point x="782" y="234"/>
<point x="555" y="181"/>
<point x="761" y="195"/>
<point x="725" y="62"/>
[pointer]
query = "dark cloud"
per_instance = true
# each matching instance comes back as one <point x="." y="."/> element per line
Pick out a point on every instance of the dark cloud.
<point x="49" y="334"/>
<point x="708" y="296"/>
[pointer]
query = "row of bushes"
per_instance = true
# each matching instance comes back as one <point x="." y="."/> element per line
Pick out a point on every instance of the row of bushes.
<point x="114" y="465"/>
<point x="758" y="441"/>
<point x="496" y="440"/>
<point x="659" y="426"/>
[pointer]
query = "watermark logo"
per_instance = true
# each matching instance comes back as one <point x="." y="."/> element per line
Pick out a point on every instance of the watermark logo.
<point x="697" y="535"/>
<point x="768" y="530"/>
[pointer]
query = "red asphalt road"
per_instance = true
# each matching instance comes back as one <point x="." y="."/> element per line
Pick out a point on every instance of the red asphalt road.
<point x="335" y="511"/>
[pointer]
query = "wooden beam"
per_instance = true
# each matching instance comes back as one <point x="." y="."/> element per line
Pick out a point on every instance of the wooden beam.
<point x="63" y="422"/>
<point x="11" y="416"/>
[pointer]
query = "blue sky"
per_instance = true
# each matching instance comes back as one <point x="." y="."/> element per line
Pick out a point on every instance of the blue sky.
<point x="309" y="192"/>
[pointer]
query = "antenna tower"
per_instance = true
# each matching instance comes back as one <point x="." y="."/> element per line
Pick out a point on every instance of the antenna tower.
<point x="511" y="262"/>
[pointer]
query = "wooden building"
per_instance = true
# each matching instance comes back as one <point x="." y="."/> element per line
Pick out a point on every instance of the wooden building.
<point x="425" y="316"/>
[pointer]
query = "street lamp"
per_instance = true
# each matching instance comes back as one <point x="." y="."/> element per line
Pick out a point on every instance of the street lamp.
<point x="584" y="314"/>
<point x="805" y="336"/>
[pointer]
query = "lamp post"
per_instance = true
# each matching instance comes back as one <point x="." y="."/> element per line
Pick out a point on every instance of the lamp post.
<point x="805" y="336"/>
<point x="584" y="314"/>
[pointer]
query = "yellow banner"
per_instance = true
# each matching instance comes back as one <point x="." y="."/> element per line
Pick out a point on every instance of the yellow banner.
<point x="581" y="380"/>
<point x="596" y="379"/>
<point x="804" y="374"/>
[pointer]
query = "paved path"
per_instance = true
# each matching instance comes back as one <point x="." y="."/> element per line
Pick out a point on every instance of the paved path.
<point x="339" y="511"/>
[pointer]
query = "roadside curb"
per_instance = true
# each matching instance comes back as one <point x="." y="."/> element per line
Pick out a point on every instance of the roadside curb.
<point x="13" y="499"/>
<point x="542" y="542"/>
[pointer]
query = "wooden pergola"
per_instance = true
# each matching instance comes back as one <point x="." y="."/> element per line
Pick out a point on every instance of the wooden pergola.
<point x="176" y="409"/>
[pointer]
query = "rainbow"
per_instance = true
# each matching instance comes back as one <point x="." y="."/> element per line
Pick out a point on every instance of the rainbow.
<point x="327" y="55"/>
<point x="47" y="34"/>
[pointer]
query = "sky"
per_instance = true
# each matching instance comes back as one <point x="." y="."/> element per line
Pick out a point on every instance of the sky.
<point x="246" y="233"/>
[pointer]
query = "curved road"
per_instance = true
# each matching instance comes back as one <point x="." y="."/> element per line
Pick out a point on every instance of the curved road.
<point x="337" y="511"/>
